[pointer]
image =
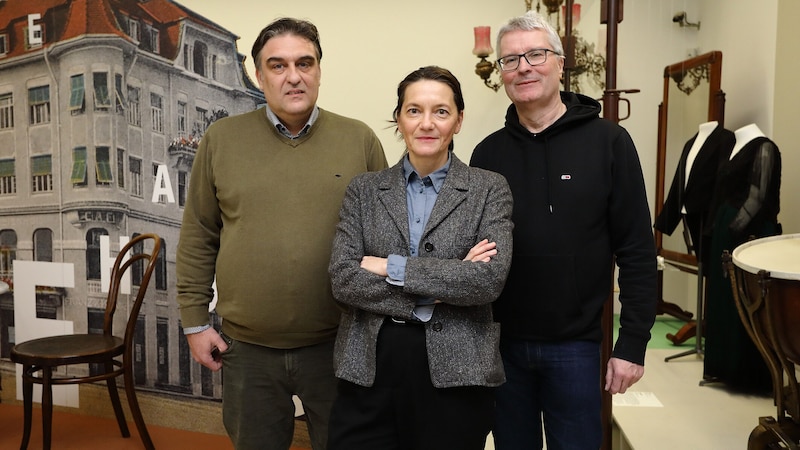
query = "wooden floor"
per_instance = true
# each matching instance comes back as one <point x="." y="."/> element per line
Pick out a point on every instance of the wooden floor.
<point x="82" y="432"/>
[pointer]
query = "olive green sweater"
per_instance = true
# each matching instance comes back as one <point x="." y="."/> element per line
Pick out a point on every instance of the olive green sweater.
<point x="260" y="215"/>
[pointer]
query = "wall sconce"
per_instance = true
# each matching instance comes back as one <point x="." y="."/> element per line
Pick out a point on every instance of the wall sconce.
<point x="483" y="48"/>
<point x="680" y="19"/>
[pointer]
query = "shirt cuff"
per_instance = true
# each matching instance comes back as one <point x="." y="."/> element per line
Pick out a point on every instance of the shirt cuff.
<point x="396" y="270"/>
<point x="195" y="330"/>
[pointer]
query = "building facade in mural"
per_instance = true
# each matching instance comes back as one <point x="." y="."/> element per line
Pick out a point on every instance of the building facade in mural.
<point x="102" y="104"/>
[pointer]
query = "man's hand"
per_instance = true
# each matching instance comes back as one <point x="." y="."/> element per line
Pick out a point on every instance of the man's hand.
<point x="203" y="344"/>
<point x="621" y="374"/>
<point x="482" y="251"/>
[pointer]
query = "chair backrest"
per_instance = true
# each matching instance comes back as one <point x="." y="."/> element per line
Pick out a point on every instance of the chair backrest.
<point x="147" y="257"/>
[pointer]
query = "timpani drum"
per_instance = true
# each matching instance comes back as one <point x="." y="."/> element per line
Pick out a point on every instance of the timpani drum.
<point x="765" y="278"/>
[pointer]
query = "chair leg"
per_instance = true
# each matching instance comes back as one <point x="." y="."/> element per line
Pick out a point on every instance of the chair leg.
<point x="27" y="401"/>
<point x="47" y="407"/>
<point x="133" y="403"/>
<point x="111" y="384"/>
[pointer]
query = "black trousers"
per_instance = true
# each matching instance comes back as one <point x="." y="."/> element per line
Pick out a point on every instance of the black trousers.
<point x="403" y="410"/>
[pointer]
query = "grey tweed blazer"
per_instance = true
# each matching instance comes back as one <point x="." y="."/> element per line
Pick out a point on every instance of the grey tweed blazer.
<point x="462" y="337"/>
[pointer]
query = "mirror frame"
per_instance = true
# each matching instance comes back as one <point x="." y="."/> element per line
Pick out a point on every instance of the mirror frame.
<point x="716" y="112"/>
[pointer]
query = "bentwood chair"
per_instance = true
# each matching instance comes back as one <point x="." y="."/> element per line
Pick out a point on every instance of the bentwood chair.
<point x="39" y="357"/>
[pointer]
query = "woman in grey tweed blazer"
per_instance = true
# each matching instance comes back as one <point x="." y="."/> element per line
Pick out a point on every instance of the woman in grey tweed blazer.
<point x="417" y="349"/>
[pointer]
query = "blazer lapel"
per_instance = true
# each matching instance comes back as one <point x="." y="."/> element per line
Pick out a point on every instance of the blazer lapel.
<point x="392" y="195"/>
<point x="453" y="193"/>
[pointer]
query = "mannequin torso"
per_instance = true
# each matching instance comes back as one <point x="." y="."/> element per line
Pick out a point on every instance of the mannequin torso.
<point x="744" y="135"/>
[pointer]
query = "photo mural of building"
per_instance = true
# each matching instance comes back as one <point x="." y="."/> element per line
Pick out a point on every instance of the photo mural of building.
<point x="102" y="104"/>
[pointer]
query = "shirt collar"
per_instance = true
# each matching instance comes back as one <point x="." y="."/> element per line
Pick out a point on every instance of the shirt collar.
<point x="285" y="131"/>
<point x="437" y="177"/>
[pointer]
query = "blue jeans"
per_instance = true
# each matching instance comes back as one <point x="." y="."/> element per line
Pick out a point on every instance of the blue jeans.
<point x="558" y="382"/>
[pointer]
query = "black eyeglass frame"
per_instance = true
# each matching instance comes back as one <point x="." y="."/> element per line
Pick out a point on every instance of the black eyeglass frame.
<point x="519" y="57"/>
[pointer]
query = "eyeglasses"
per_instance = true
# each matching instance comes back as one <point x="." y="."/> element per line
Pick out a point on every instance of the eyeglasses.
<point x="534" y="57"/>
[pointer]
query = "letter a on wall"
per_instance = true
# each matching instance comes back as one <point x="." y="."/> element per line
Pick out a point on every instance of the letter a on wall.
<point x="163" y="186"/>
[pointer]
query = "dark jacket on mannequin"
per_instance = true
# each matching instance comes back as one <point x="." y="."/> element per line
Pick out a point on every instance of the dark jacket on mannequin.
<point x="695" y="194"/>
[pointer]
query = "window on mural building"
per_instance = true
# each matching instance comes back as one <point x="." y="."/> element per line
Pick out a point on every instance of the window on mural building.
<point x="155" y="47"/>
<point x="77" y="94"/>
<point x="8" y="177"/>
<point x="42" y="173"/>
<point x="6" y="110"/>
<point x="121" y="168"/>
<point x="134" y="113"/>
<point x="182" y="119"/>
<point x="135" y="172"/>
<point x="133" y="28"/>
<point x="3" y="44"/>
<point x="78" y="176"/>
<point x="94" y="325"/>
<point x="34" y="38"/>
<point x="39" y="104"/>
<point x="137" y="268"/>
<point x="139" y="352"/>
<point x="157" y="112"/>
<point x="102" y="101"/>
<point x="183" y="186"/>
<point x="199" y="55"/>
<point x="119" y="96"/>
<point x="162" y="347"/>
<point x="103" y="173"/>
<point x="160" y="271"/>
<point x="8" y="252"/>
<point x="200" y="121"/>
<point x="43" y="245"/>
<point x="93" y="252"/>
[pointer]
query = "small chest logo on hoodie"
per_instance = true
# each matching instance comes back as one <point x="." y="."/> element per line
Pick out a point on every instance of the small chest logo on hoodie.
<point x="566" y="176"/>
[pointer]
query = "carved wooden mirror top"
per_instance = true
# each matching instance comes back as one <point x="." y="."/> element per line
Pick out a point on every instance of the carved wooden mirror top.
<point x="692" y="96"/>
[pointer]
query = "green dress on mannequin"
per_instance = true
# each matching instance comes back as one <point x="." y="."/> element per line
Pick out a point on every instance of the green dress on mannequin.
<point x="746" y="207"/>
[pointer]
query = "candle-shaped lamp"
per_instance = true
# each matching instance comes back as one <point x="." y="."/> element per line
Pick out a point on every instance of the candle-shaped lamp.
<point x="576" y="14"/>
<point x="483" y="46"/>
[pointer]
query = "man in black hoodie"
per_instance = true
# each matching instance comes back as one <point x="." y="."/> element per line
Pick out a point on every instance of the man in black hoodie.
<point x="579" y="204"/>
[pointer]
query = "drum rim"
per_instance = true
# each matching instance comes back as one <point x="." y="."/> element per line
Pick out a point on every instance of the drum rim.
<point x="737" y="261"/>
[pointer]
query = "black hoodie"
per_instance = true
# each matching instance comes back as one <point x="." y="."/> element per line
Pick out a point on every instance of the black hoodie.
<point x="579" y="202"/>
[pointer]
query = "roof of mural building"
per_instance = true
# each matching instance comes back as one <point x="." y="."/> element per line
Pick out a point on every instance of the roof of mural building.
<point x="62" y="20"/>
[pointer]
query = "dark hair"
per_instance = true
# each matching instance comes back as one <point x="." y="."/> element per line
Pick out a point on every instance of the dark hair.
<point x="433" y="73"/>
<point x="286" y="25"/>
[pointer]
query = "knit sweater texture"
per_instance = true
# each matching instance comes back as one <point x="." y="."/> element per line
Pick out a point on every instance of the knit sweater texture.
<point x="260" y="217"/>
<point x="579" y="204"/>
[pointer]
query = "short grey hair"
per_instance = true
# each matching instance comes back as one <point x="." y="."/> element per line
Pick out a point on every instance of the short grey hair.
<point x="530" y="21"/>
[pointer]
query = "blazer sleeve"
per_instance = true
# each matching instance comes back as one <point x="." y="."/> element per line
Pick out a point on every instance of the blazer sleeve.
<point x="353" y="286"/>
<point x="464" y="283"/>
<point x="444" y="276"/>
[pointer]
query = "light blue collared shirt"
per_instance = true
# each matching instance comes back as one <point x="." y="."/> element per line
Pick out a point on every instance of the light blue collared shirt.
<point x="421" y="194"/>
<point x="285" y="131"/>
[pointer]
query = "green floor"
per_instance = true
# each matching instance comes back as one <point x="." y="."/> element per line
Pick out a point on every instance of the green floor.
<point x="664" y="324"/>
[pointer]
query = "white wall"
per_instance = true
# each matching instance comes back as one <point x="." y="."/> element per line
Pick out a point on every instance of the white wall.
<point x="369" y="46"/>
<point x="787" y="110"/>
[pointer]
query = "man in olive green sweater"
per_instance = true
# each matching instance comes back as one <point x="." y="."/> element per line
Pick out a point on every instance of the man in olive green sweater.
<point x="261" y="213"/>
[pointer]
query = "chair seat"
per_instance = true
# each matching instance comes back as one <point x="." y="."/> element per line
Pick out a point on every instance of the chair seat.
<point x="67" y="349"/>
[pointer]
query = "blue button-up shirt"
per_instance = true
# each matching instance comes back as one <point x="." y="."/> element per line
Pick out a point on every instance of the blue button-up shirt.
<point x="421" y="194"/>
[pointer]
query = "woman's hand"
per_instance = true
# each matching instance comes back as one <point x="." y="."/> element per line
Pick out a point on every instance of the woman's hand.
<point x="482" y="251"/>
<point x="375" y="264"/>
